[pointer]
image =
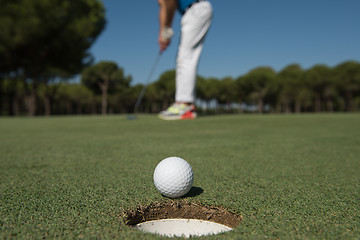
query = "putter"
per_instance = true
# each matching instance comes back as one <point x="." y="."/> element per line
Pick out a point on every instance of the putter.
<point x="141" y="95"/>
<point x="167" y="33"/>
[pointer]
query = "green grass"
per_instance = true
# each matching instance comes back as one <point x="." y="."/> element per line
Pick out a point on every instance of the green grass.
<point x="290" y="176"/>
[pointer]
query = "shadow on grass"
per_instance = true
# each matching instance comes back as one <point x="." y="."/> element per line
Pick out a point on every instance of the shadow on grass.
<point x="194" y="191"/>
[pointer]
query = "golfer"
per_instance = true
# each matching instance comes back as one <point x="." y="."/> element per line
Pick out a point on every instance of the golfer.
<point x="195" y="22"/>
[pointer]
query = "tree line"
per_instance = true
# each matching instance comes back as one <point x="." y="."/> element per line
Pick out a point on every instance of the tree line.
<point x="44" y="43"/>
<point x="104" y="89"/>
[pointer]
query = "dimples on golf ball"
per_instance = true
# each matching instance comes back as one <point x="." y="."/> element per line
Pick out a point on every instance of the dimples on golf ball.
<point x="173" y="177"/>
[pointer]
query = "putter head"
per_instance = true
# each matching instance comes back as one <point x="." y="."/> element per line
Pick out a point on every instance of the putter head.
<point x="132" y="117"/>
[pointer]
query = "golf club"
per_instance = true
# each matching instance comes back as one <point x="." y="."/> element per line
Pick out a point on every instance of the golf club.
<point x="141" y="95"/>
<point x="167" y="33"/>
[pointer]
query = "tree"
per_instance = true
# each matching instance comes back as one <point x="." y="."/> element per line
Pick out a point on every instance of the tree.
<point x="208" y="89"/>
<point x="227" y="91"/>
<point x="12" y="94"/>
<point x="74" y="99"/>
<point x="317" y="80"/>
<point x="40" y="39"/>
<point x="200" y="82"/>
<point x="152" y="101"/>
<point x="242" y="91"/>
<point x="290" y="80"/>
<point x="348" y="77"/>
<point x="103" y="77"/>
<point x="261" y="82"/>
<point x="165" y="87"/>
<point x="122" y="98"/>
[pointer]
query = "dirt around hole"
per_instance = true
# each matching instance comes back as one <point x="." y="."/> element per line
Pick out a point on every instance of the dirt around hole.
<point x="181" y="209"/>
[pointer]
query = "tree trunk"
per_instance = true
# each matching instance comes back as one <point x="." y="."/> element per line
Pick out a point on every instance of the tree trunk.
<point x="93" y="107"/>
<point x="154" y="107"/>
<point x="241" y="110"/>
<point x="165" y="104"/>
<point x="287" y="108"/>
<point x="15" y="106"/>
<point x="47" y="105"/>
<point x="69" y="107"/>
<point x="348" y="101"/>
<point x="78" y="109"/>
<point x="260" y="105"/>
<point x="30" y="99"/>
<point x="104" y="102"/>
<point x="297" y="106"/>
<point x="317" y="104"/>
<point x="330" y="105"/>
<point x="47" y="100"/>
<point x="104" y="92"/>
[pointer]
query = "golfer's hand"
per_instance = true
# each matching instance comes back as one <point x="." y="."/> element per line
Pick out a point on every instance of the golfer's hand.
<point x="163" y="43"/>
<point x="164" y="38"/>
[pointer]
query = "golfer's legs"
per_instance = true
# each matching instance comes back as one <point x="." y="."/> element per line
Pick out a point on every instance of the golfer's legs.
<point x="194" y="26"/>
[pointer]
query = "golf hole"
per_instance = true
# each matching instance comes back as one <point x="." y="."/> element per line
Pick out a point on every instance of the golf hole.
<point x="181" y="219"/>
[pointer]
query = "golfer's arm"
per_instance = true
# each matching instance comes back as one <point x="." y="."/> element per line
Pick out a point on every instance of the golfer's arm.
<point x="166" y="12"/>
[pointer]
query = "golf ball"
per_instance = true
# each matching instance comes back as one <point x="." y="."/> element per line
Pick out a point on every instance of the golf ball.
<point x="173" y="177"/>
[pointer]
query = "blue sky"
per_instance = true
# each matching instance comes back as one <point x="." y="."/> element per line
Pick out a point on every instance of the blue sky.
<point x="245" y="34"/>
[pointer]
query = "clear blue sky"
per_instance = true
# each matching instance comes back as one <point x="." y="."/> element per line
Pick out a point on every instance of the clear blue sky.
<point x="245" y="34"/>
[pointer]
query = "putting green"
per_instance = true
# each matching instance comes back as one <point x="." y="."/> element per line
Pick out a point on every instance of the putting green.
<point x="289" y="176"/>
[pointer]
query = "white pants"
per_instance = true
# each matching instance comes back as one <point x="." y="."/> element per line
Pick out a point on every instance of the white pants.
<point x="195" y="24"/>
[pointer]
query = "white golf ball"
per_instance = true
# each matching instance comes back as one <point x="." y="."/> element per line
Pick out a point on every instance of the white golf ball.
<point x="173" y="177"/>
